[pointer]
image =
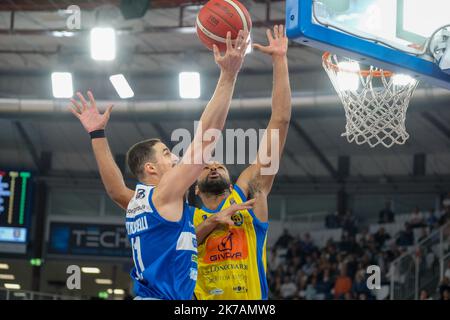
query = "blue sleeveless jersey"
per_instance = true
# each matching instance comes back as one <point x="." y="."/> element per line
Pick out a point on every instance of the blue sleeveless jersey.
<point x="164" y="252"/>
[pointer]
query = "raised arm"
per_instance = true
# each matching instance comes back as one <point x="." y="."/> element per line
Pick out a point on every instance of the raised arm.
<point x="92" y="120"/>
<point x="174" y="183"/>
<point x="257" y="179"/>
<point x="222" y="217"/>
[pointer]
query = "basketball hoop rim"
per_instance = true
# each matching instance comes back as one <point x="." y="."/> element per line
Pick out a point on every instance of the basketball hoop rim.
<point x="365" y="73"/>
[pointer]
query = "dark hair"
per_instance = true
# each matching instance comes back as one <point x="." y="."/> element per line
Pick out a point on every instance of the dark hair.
<point x="139" y="154"/>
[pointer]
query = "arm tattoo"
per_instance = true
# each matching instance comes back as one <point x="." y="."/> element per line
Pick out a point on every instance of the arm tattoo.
<point x="254" y="187"/>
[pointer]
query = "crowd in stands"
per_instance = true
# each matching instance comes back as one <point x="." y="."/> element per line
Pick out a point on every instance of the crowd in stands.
<point x="300" y="269"/>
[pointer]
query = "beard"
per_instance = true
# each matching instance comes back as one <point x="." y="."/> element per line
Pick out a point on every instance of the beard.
<point x="214" y="186"/>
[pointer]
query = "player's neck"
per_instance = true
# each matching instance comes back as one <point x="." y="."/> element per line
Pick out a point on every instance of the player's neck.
<point x="150" y="181"/>
<point x="212" y="201"/>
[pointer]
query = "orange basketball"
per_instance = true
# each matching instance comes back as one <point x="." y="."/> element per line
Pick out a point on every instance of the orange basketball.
<point x="217" y="17"/>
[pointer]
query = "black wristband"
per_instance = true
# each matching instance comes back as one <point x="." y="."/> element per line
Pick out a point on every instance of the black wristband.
<point x="97" y="134"/>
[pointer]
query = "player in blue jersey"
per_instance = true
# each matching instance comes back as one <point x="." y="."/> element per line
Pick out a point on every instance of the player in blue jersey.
<point x="158" y="220"/>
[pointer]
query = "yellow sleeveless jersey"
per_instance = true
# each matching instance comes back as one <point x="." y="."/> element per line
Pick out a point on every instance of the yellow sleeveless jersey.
<point x="232" y="260"/>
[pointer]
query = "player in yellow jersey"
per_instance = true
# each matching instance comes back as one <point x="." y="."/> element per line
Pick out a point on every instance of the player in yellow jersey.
<point x="232" y="256"/>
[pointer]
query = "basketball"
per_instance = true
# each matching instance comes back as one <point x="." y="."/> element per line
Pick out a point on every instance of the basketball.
<point x="217" y="17"/>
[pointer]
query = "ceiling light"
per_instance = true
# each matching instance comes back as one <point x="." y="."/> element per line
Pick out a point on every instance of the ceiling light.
<point x="189" y="85"/>
<point x="90" y="270"/>
<point x="13" y="286"/>
<point x="103" y="281"/>
<point x="103" y="44"/>
<point x="119" y="291"/>
<point x="62" y="84"/>
<point x="121" y="85"/>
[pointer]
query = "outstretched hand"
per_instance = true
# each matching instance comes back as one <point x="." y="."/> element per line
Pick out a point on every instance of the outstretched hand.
<point x="231" y="62"/>
<point x="88" y="114"/>
<point x="224" y="217"/>
<point x="278" y="42"/>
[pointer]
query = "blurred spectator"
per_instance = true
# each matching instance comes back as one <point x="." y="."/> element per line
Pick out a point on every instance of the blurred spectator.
<point x="362" y="296"/>
<point x="311" y="289"/>
<point x="343" y="284"/>
<point x="349" y="223"/>
<point x="431" y="259"/>
<point x="447" y="272"/>
<point x="360" y="285"/>
<point x="380" y="237"/>
<point x="446" y="294"/>
<point x="307" y="245"/>
<point x="386" y="215"/>
<point x="331" y="252"/>
<point x="351" y="265"/>
<point x="294" y="250"/>
<point x="424" y="295"/>
<point x="344" y="245"/>
<point x="325" y="285"/>
<point x="284" y="240"/>
<point x="416" y="220"/>
<point x="445" y="215"/>
<point x="363" y="236"/>
<point x="274" y="260"/>
<point x="288" y="289"/>
<point x="406" y="237"/>
<point x="332" y="221"/>
<point x="432" y="219"/>
<point x="348" y="296"/>
<point x="423" y="235"/>
<point x="302" y="281"/>
<point x="309" y="266"/>
<point x="444" y="286"/>
<point x="276" y="284"/>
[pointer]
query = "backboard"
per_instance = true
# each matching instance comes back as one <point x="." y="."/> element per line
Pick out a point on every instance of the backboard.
<point x="389" y="34"/>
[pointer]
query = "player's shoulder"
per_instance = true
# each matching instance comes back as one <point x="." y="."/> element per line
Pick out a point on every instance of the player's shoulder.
<point x="140" y="201"/>
<point x="237" y="195"/>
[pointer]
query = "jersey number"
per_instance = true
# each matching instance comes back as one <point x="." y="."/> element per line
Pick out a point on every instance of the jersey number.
<point x="137" y="256"/>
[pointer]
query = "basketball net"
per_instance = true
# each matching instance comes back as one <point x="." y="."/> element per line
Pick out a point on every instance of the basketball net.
<point x="375" y="101"/>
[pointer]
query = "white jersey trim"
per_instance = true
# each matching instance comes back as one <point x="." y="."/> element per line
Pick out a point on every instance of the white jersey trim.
<point x="140" y="202"/>
<point x="186" y="241"/>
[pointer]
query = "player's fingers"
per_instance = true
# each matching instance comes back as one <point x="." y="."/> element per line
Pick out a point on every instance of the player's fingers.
<point x="244" y="48"/>
<point x="109" y="110"/>
<point x="275" y="31"/>
<point x="249" y="202"/>
<point x="217" y="55"/>
<point x="245" y="42"/>
<point x="74" y="112"/>
<point x="238" y="41"/>
<point x="83" y="101"/>
<point x="269" y="35"/>
<point x="259" y="47"/>
<point x="245" y="208"/>
<point x="76" y="105"/>
<point x="92" y="100"/>
<point x="281" y="31"/>
<point x="228" y="41"/>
